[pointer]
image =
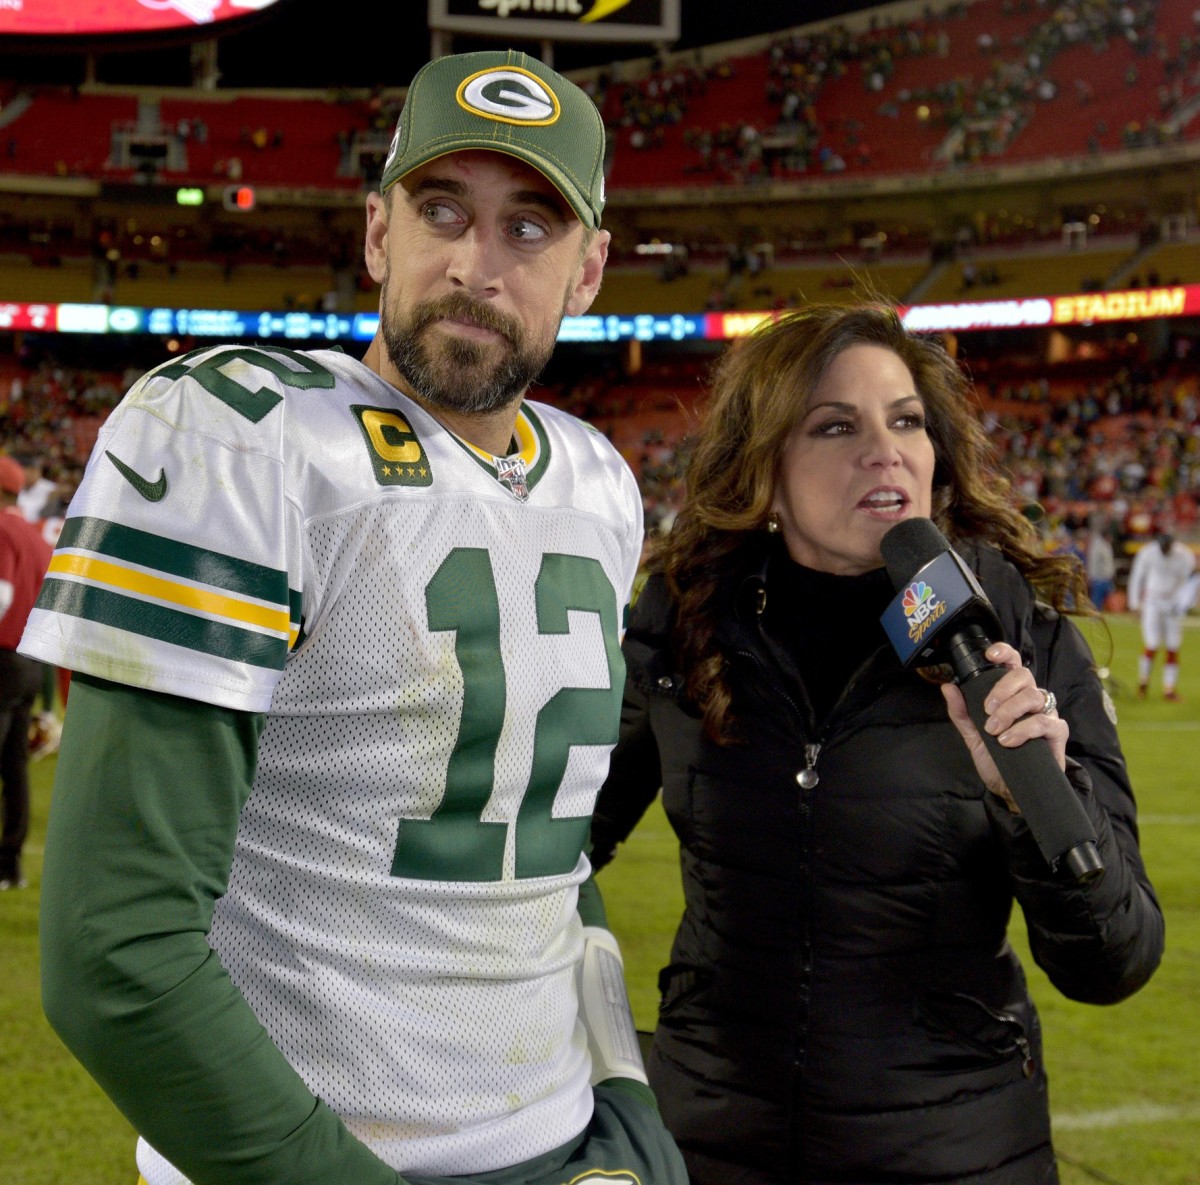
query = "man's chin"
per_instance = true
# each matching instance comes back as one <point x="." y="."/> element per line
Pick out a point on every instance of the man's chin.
<point x="459" y="361"/>
<point x="464" y="388"/>
<point x="449" y="372"/>
<point x="463" y="374"/>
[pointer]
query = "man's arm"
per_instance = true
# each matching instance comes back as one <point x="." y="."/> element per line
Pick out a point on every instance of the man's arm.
<point x="635" y="768"/>
<point x="604" y="1001"/>
<point x="145" y="812"/>
<point x="1136" y="577"/>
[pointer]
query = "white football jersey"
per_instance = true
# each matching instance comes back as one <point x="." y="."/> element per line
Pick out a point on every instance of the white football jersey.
<point x="435" y="635"/>
<point x="1159" y="579"/>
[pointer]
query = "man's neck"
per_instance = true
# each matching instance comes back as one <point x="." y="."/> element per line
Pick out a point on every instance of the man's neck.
<point x="490" y="431"/>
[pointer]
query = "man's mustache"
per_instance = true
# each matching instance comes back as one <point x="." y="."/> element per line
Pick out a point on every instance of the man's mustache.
<point x="460" y="307"/>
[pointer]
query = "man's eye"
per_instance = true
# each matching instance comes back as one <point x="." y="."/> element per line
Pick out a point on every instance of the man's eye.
<point x="527" y="230"/>
<point x="439" y="213"/>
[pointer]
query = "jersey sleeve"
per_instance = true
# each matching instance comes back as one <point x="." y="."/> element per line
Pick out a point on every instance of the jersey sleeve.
<point x="179" y="566"/>
<point x="633" y="518"/>
<point x="1137" y="578"/>
<point x="634" y="552"/>
<point x="137" y="852"/>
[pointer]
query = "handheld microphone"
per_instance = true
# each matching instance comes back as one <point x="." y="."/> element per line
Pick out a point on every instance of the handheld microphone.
<point x="940" y="614"/>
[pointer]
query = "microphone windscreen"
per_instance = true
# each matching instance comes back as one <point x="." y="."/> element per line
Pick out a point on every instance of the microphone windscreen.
<point x="909" y="546"/>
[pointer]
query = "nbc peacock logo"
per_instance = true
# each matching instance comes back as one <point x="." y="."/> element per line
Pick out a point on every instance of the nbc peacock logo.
<point x="922" y="607"/>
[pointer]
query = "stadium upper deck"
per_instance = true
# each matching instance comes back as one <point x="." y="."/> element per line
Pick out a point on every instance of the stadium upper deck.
<point x="916" y="150"/>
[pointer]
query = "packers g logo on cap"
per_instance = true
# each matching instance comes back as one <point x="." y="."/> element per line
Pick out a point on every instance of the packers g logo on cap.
<point x="509" y="95"/>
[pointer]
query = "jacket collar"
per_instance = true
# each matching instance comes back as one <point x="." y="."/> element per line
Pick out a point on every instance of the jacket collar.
<point x="750" y="589"/>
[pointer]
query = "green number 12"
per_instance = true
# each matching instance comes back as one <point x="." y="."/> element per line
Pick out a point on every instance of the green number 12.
<point x="456" y="843"/>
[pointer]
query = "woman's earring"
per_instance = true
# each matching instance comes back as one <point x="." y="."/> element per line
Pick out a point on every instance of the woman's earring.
<point x="772" y="523"/>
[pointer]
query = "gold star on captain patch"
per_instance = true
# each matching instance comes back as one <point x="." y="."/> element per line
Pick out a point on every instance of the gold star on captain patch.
<point x="411" y="471"/>
<point x="423" y="471"/>
<point x="387" y="471"/>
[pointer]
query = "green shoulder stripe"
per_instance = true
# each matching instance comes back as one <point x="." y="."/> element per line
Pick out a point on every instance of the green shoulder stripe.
<point x="163" y="623"/>
<point x="241" y="577"/>
<point x="160" y="588"/>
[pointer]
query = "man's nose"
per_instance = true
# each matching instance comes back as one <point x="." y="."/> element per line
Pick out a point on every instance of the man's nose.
<point x="475" y="261"/>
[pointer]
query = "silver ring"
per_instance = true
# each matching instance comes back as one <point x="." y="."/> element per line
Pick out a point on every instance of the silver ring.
<point x="1050" y="704"/>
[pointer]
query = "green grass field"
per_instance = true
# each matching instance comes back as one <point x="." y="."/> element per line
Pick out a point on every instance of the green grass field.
<point x="1125" y="1086"/>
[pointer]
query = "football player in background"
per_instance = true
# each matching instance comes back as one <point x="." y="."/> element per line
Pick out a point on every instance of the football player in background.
<point x="346" y="638"/>
<point x="24" y="555"/>
<point x="1157" y="583"/>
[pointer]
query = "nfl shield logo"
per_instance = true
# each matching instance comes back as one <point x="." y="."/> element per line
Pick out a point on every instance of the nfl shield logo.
<point x="510" y="471"/>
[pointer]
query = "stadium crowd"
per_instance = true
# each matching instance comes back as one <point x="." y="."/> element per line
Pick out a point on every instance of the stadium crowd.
<point x="1125" y="447"/>
<point x="970" y="105"/>
<point x="1121" y="448"/>
<point x="822" y="100"/>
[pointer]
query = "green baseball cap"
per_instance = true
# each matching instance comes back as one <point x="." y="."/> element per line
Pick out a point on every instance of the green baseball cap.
<point x="504" y="101"/>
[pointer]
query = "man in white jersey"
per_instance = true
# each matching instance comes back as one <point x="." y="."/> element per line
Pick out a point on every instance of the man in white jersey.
<point x="346" y="637"/>
<point x="1158" y="586"/>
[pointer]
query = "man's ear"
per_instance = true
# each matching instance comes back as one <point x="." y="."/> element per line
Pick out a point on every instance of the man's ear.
<point x="375" y="248"/>
<point x="591" y="273"/>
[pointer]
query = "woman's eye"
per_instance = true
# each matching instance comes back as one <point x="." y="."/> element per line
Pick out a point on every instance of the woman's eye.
<point x="913" y="420"/>
<point x="833" y="428"/>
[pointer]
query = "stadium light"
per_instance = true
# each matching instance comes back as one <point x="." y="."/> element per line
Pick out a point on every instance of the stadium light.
<point x="238" y="197"/>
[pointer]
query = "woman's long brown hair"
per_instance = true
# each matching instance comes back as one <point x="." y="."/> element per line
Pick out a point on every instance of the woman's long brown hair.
<point x="761" y="388"/>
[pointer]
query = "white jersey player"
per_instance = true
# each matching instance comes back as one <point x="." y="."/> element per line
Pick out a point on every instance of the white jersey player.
<point x="1159" y="586"/>
<point x="347" y="643"/>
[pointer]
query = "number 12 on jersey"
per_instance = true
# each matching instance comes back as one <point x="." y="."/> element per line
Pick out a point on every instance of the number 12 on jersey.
<point x="456" y="843"/>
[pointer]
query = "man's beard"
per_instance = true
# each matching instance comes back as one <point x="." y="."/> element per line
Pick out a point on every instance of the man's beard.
<point x="454" y="374"/>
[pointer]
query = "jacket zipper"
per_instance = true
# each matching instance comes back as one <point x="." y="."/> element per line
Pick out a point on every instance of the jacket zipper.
<point x="1020" y="1040"/>
<point x="808" y="776"/>
<point x="807" y="779"/>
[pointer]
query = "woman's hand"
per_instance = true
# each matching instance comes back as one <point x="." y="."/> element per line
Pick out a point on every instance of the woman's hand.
<point x="1016" y="712"/>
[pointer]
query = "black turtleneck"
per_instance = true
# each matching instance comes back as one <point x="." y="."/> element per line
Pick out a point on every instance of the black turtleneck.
<point x="829" y="624"/>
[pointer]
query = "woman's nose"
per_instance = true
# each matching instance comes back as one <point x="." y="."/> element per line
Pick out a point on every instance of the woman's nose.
<point x="880" y="448"/>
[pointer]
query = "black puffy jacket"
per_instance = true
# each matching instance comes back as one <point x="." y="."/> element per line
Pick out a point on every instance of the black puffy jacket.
<point x="842" y="1004"/>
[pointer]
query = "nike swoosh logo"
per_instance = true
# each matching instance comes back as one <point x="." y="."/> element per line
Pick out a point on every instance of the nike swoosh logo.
<point x="152" y="491"/>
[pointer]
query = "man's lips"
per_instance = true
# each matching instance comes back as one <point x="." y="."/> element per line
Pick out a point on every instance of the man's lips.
<point x="469" y="327"/>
